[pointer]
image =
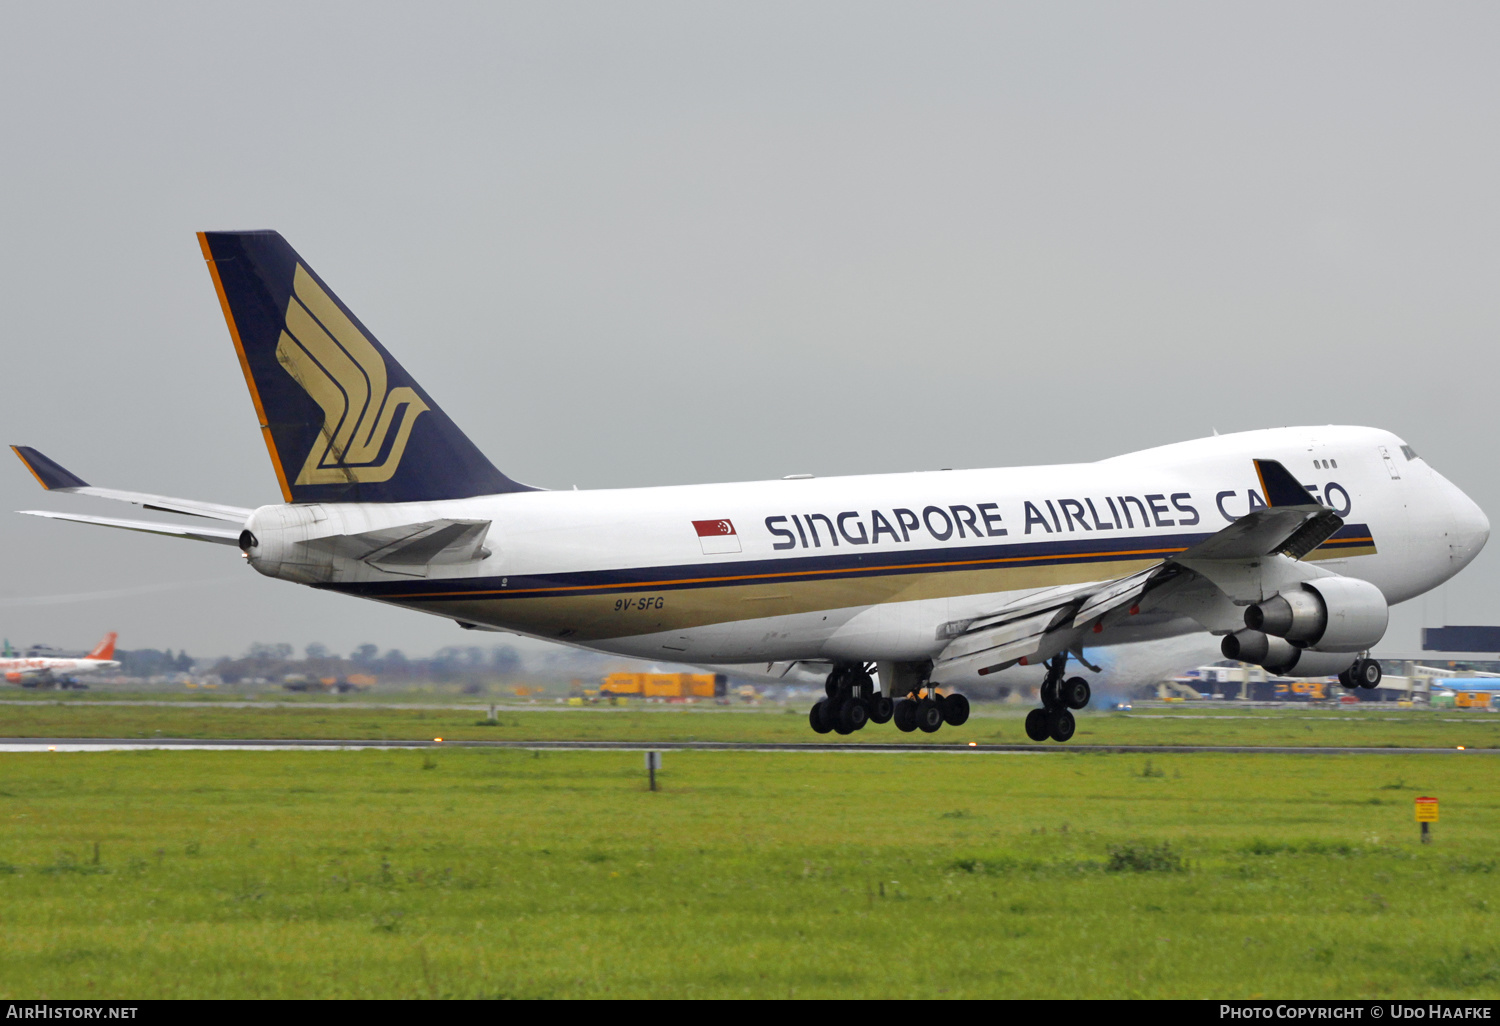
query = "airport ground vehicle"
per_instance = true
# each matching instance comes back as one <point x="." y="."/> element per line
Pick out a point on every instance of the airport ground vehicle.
<point x="664" y="685"/>
<point x="1290" y="544"/>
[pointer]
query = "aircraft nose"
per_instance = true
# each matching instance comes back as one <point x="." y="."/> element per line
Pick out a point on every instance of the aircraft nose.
<point x="1471" y="529"/>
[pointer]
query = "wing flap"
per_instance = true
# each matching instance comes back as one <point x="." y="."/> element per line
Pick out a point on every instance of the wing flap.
<point x="1122" y="592"/>
<point x="1315" y="530"/>
<point x="1003" y="635"/>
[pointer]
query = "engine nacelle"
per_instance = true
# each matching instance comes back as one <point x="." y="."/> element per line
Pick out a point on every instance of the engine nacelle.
<point x="15" y="678"/>
<point x="1330" y="614"/>
<point x="1281" y="657"/>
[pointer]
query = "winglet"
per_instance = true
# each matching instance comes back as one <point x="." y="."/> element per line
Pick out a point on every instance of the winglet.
<point x="1280" y="487"/>
<point x="106" y="648"/>
<point x="48" y="474"/>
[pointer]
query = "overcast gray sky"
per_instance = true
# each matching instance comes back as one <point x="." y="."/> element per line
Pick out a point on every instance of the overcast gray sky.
<point x="652" y="243"/>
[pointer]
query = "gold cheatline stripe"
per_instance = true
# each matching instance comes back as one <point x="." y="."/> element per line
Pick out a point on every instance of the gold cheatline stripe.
<point x="805" y="573"/>
<point x="234" y="333"/>
<point x="786" y="573"/>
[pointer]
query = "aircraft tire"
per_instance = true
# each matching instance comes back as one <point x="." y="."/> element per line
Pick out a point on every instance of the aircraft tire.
<point x="1036" y="725"/>
<point x="929" y="716"/>
<point x="1048" y="694"/>
<point x="852" y="716"/>
<point x="1346" y="678"/>
<point x="817" y="719"/>
<point x="1075" y="693"/>
<point x="882" y="709"/>
<point x="1061" y="725"/>
<point x="905" y="716"/>
<point x="1367" y="673"/>
<point x="955" y="710"/>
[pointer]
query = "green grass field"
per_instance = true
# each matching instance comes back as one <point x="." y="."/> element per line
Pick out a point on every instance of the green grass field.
<point x="506" y="873"/>
<point x="1213" y="724"/>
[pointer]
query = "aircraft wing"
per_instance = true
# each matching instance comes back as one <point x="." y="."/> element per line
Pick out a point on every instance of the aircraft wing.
<point x="1045" y="623"/>
<point x="56" y="478"/>
<point x="1038" y="627"/>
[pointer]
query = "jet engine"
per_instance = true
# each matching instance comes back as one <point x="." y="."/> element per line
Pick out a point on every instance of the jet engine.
<point x="1312" y="630"/>
<point x="1281" y="657"/>
<point x="1330" y="614"/>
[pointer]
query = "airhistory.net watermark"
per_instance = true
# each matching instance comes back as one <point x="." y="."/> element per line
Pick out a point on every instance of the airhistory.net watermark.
<point x="42" y="1010"/>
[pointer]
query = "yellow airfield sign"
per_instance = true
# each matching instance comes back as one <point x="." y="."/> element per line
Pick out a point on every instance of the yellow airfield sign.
<point x="1427" y="810"/>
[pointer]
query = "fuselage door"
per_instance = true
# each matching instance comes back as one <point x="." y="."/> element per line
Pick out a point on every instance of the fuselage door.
<point x="1390" y="464"/>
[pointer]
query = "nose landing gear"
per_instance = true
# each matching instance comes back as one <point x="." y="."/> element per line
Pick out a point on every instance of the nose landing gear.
<point x="1059" y="697"/>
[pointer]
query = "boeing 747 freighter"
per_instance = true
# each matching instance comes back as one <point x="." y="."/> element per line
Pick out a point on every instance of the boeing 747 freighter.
<point x="1289" y="544"/>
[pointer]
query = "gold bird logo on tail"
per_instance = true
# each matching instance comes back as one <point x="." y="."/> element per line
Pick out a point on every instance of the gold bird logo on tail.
<point x="335" y="364"/>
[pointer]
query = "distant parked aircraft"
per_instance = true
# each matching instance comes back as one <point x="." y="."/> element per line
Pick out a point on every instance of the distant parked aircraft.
<point x="44" y="671"/>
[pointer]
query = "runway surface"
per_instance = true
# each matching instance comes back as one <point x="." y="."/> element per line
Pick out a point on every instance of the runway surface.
<point x="101" y="744"/>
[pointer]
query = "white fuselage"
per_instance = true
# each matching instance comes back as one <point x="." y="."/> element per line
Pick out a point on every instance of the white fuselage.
<point x="875" y="567"/>
<point x="19" y="668"/>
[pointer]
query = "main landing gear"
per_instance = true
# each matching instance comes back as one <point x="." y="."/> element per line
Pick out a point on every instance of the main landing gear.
<point x="853" y="702"/>
<point x="1059" y="697"/>
<point x="1365" y="673"/>
<point x="926" y="710"/>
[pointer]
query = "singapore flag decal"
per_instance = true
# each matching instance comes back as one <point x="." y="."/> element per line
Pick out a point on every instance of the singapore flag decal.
<point x="717" y="536"/>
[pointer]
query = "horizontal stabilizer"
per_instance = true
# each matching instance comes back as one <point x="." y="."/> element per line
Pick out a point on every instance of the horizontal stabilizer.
<point x="411" y="547"/>
<point x="208" y="534"/>
<point x="56" y="478"/>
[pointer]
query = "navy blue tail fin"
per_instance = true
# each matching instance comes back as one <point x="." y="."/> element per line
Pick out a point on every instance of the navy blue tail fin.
<point x="342" y="419"/>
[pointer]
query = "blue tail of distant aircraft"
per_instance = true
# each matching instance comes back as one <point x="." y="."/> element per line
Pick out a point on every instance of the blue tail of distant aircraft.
<point x="342" y="419"/>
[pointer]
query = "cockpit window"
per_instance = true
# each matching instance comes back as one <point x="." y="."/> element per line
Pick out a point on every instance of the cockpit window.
<point x="1409" y="452"/>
